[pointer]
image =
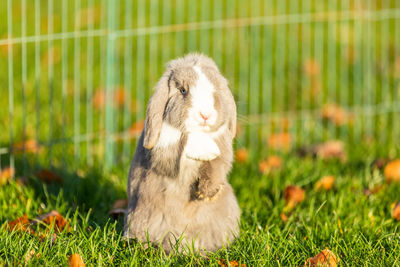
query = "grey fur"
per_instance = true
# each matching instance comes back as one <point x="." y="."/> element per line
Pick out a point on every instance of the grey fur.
<point x="171" y="196"/>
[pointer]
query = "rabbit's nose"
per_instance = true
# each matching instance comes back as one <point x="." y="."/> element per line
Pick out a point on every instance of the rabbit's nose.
<point x="205" y="116"/>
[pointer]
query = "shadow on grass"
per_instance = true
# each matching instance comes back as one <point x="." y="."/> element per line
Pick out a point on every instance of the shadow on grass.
<point x="92" y="191"/>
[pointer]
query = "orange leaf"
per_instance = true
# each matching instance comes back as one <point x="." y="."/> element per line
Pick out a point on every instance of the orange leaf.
<point x="5" y="48"/>
<point x="6" y="174"/>
<point x="311" y="67"/>
<point x="19" y="224"/>
<point x="293" y="196"/>
<point x="118" y="208"/>
<point x="75" y="260"/>
<point x="324" y="258"/>
<point x="242" y="154"/>
<point x="284" y="217"/>
<point x="280" y="140"/>
<point x="53" y="218"/>
<point x="396" y="212"/>
<point x="232" y="263"/>
<point x="335" y="114"/>
<point x="29" y="146"/>
<point x="392" y="171"/>
<point x="325" y="183"/>
<point x="99" y="99"/>
<point x="331" y="149"/>
<point x="270" y="164"/>
<point x="48" y="176"/>
<point x="136" y="128"/>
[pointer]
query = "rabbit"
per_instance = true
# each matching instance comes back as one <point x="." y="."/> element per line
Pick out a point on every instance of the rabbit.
<point x="178" y="193"/>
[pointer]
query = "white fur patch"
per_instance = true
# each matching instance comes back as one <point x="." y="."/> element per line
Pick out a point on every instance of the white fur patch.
<point x="169" y="135"/>
<point x="202" y="95"/>
<point x="200" y="146"/>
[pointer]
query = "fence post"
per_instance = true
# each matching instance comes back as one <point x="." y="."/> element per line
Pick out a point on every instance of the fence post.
<point x="110" y="64"/>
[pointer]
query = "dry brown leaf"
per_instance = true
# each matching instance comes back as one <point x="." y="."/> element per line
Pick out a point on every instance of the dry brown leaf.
<point x="232" y="263"/>
<point x="311" y="67"/>
<point x="136" y="128"/>
<point x="284" y="217"/>
<point x="392" y="171"/>
<point x="280" y="140"/>
<point x="29" y="146"/>
<point x="325" y="183"/>
<point x="330" y="150"/>
<point x="380" y="163"/>
<point x="75" y="260"/>
<point x="88" y="16"/>
<point x="6" y="174"/>
<point x="53" y="54"/>
<point x="19" y="224"/>
<point x="99" y="99"/>
<point x="5" y="48"/>
<point x="118" y="208"/>
<point x="30" y="255"/>
<point x="372" y="191"/>
<point x="242" y="154"/>
<point x="293" y="196"/>
<point x="396" y="212"/>
<point x="335" y="114"/>
<point x="272" y="163"/>
<point x="54" y="219"/>
<point x="325" y="258"/>
<point x="48" y="176"/>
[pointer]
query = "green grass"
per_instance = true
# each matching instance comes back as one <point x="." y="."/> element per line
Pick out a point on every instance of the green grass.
<point x="357" y="228"/>
<point x="266" y="67"/>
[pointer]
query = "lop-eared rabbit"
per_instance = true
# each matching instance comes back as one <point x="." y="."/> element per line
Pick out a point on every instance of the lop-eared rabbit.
<point x="177" y="184"/>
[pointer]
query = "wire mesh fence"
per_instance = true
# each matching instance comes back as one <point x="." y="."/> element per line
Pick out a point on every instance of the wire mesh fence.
<point x="76" y="75"/>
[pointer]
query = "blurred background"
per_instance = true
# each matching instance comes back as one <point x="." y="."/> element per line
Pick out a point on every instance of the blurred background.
<point x="76" y="75"/>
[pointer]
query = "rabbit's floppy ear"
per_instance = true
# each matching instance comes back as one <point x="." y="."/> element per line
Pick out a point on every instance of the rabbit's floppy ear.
<point x="155" y="112"/>
<point x="232" y="119"/>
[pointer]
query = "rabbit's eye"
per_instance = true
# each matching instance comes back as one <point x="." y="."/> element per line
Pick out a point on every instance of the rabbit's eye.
<point x="183" y="91"/>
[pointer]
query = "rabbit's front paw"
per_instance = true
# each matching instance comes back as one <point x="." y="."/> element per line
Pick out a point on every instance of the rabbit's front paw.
<point x="200" y="146"/>
<point x="206" y="190"/>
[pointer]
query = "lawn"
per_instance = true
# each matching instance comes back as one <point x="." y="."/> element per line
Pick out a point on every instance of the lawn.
<point x="75" y="78"/>
<point x="356" y="226"/>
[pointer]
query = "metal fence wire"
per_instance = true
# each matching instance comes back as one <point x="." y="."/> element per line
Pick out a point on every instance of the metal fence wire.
<point x="76" y="76"/>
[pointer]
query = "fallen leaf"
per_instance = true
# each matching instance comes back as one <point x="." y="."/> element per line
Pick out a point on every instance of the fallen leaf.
<point x="19" y="224"/>
<point x="311" y="67"/>
<point x="392" y="171"/>
<point x="324" y="258"/>
<point x="29" y="146"/>
<point x="119" y="96"/>
<point x="280" y="140"/>
<point x="54" y="219"/>
<point x="331" y="150"/>
<point x="53" y="54"/>
<point x="372" y="191"/>
<point x="99" y="99"/>
<point x="242" y="154"/>
<point x="48" y="176"/>
<point x="325" y="183"/>
<point x="380" y="163"/>
<point x="293" y="196"/>
<point x="136" y="128"/>
<point x="75" y="260"/>
<point x="6" y="174"/>
<point x="88" y="16"/>
<point x="272" y="163"/>
<point x="5" y="48"/>
<point x="396" y="212"/>
<point x="30" y="255"/>
<point x="232" y="263"/>
<point x="284" y="217"/>
<point x="335" y="114"/>
<point x="119" y="208"/>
